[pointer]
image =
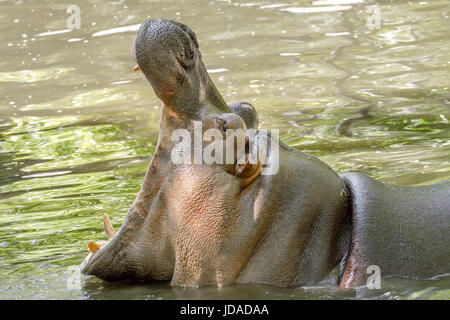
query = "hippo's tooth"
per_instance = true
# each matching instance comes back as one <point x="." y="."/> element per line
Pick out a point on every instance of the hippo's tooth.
<point x="94" y="246"/>
<point x="109" y="229"/>
<point x="136" y="68"/>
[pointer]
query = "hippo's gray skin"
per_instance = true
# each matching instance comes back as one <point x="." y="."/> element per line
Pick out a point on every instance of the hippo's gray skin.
<point x="199" y="224"/>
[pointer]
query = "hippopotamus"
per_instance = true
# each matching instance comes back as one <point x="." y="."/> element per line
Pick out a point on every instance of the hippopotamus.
<point x="199" y="224"/>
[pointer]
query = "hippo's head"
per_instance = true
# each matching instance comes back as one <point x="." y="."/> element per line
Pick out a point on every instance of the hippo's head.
<point x="194" y="223"/>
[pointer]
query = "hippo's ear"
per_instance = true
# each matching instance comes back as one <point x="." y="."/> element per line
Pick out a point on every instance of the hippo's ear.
<point x="247" y="112"/>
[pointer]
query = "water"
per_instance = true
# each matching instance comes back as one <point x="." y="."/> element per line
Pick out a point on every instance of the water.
<point x="77" y="126"/>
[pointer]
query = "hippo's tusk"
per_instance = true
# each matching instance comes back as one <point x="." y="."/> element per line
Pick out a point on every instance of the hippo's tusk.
<point x="109" y="229"/>
<point x="136" y="68"/>
<point x="94" y="246"/>
<point x="110" y="233"/>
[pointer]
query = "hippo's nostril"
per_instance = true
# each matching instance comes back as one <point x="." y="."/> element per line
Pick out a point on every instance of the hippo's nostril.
<point x="187" y="58"/>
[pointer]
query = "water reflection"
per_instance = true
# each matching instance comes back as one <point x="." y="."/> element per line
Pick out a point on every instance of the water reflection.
<point x="393" y="288"/>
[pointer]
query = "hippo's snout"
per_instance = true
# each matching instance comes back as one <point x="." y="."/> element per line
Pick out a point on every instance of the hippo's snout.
<point x="168" y="54"/>
<point x="162" y="44"/>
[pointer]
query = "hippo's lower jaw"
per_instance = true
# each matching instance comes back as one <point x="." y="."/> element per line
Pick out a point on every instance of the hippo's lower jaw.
<point x="104" y="261"/>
